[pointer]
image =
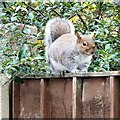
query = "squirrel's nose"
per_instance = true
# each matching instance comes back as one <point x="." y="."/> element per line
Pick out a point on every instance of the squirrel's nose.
<point x="92" y="52"/>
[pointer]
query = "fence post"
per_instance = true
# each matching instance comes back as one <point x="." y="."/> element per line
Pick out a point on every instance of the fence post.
<point x="114" y="87"/>
<point x="42" y="87"/>
<point x="74" y="85"/>
<point x="4" y="98"/>
<point x="77" y="97"/>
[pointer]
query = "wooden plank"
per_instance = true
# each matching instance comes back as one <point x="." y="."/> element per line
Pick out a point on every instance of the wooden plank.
<point x="16" y="100"/>
<point x="42" y="87"/>
<point x="93" y="98"/>
<point x="74" y="92"/>
<point x="114" y="98"/>
<point x="46" y="99"/>
<point x="58" y="98"/>
<point x="70" y="75"/>
<point x="77" y="98"/>
<point x="30" y="99"/>
<point x="106" y="98"/>
<point x="79" y="88"/>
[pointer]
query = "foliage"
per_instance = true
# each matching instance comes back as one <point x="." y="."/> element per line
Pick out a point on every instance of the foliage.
<point x="16" y="54"/>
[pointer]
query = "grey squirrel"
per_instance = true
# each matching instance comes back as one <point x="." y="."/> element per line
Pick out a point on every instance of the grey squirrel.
<point x="65" y="50"/>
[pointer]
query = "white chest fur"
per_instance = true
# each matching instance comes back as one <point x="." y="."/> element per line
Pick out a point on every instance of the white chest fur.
<point x="82" y="59"/>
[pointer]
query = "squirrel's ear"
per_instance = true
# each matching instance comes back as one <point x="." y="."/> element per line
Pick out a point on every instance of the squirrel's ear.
<point x="79" y="37"/>
<point x="92" y="34"/>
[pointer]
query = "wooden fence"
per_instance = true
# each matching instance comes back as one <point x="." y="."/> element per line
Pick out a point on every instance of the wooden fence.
<point x="84" y="95"/>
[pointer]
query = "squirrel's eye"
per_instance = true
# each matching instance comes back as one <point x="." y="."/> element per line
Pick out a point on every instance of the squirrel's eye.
<point x="84" y="43"/>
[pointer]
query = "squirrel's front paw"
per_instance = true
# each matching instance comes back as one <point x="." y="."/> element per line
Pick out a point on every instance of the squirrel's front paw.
<point x="84" y="70"/>
<point x="75" y="71"/>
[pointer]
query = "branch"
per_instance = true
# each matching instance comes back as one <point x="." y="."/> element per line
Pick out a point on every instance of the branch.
<point x="82" y="21"/>
<point x="4" y="4"/>
<point x="99" y="12"/>
<point x="72" y="16"/>
<point x="37" y="11"/>
<point x="54" y="10"/>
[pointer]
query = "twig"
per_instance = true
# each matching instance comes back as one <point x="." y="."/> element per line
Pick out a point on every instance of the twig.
<point x="55" y="12"/>
<point x="23" y="28"/>
<point x="72" y="16"/>
<point x="37" y="11"/>
<point x="4" y="4"/>
<point x="82" y="21"/>
<point x="99" y="12"/>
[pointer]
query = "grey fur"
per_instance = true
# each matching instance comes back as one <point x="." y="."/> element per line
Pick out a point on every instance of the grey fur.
<point x="67" y="57"/>
<point x="52" y="32"/>
<point x="62" y="52"/>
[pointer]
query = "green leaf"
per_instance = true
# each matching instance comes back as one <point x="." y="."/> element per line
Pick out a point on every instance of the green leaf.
<point x="38" y="58"/>
<point x="31" y="15"/>
<point x="107" y="47"/>
<point x="113" y="55"/>
<point x="7" y="74"/>
<point x="18" y="79"/>
<point x="27" y="31"/>
<point x="18" y="8"/>
<point x="23" y="52"/>
<point x="14" y="18"/>
<point x="16" y="68"/>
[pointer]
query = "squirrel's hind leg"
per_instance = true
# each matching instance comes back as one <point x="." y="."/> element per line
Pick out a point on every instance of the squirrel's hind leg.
<point x="56" y="72"/>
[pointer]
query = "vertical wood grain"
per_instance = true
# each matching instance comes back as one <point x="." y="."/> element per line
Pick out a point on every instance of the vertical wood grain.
<point x="93" y="98"/>
<point x="74" y="92"/>
<point x="16" y="100"/>
<point x="42" y="87"/>
<point x="58" y="98"/>
<point x="114" y="87"/>
<point x="28" y="100"/>
<point x="79" y="90"/>
<point x="77" y="97"/>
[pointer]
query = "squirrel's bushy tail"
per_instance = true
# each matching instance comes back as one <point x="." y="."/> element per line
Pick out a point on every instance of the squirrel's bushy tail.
<point x="54" y="29"/>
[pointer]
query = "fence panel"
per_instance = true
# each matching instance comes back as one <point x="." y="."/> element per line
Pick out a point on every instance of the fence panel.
<point x="95" y="98"/>
<point x="71" y="96"/>
<point x="26" y="99"/>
